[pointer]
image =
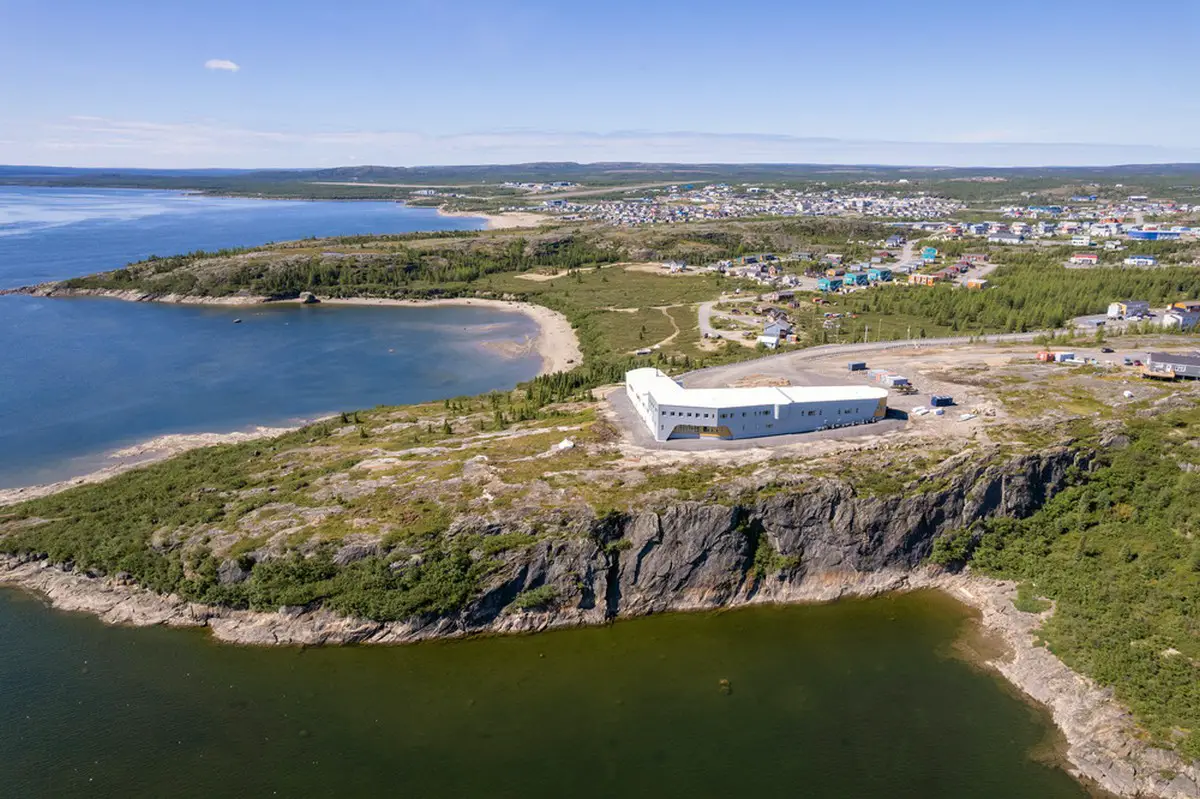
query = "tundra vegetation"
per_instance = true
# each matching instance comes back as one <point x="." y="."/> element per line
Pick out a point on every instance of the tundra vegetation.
<point x="403" y="513"/>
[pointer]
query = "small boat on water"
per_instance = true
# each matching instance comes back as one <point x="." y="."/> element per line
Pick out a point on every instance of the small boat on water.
<point x="237" y="321"/>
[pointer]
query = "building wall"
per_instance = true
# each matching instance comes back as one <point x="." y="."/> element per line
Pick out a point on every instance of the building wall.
<point x="751" y="421"/>
<point x="1165" y="361"/>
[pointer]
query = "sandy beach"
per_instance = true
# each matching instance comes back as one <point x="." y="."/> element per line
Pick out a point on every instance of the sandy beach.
<point x="502" y="221"/>
<point x="555" y="343"/>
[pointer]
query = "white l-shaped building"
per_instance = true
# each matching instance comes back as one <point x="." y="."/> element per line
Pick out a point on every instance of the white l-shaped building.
<point x="671" y="411"/>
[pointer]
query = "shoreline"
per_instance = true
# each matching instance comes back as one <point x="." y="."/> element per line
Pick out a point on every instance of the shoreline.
<point x="503" y="220"/>
<point x="556" y="342"/>
<point x="143" y="453"/>
<point x="1103" y="745"/>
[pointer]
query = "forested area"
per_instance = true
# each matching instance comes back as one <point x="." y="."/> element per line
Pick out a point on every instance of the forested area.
<point x="1119" y="554"/>
<point x="399" y="271"/>
<point x="1029" y="297"/>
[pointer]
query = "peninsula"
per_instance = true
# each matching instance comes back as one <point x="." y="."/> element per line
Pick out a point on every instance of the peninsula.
<point x="1054" y="495"/>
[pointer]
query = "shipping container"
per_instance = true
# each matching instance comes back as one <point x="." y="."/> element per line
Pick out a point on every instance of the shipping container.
<point x="938" y="400"/>
<point x="856" y="366"/>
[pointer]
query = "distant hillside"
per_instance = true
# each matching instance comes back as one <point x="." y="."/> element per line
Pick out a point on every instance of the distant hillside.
<point x="984" y="184"/>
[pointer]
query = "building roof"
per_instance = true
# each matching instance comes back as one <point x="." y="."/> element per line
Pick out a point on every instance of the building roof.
<point x="1175" y="357"/>
<point x="667" y="391"/>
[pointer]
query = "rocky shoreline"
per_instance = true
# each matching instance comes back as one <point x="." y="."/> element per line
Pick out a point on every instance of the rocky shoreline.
<point x="1104" y="746"/>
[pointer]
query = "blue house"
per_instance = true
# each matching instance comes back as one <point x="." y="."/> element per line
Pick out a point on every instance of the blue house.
<point x="879" y="275"/>
<point x="829" y="283"/>
<point x="858" y="279"/>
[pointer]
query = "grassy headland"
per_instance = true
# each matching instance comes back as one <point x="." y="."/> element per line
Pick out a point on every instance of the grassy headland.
<point x="400" y="513"/>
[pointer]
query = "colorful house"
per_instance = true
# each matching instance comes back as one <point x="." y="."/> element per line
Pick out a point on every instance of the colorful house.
<point x="829" y="283"/>
<point x="879" y="275"/>
<point x="1085" y="258"/>
<point x="919" y="279"/>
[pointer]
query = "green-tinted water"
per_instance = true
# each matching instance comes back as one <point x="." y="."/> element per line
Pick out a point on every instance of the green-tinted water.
<point x="854" y="699"/>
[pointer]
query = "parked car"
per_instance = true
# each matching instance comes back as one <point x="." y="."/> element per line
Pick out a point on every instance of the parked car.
<point x="1106" y="349"/>
<point x="1128" y="361"/>
<point x="1136" y="362"/>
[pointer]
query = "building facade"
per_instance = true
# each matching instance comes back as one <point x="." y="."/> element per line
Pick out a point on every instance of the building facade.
<point x="671" y="411"/>
<point x="1128" y="308"/>
<point x="1175" y="363"/>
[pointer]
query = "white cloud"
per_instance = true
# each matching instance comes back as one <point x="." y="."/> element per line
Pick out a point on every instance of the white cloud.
<point x="221" y="64"/>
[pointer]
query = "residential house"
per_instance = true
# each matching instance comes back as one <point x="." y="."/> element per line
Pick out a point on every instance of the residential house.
<point x="770" y="342"/>
<point x="1085" y="258"/>
<point x="829" y="283"/>
<point x="1005" y="238"/>
<point x="780" y="329"/>
<point x="1081" y="241"/>
<point x="879" y="275"/>
<point x="977" y="283"/>
<point x="1141" y="260"/>
<point x="1176" y="364"/>
<point x="920" y="279"/>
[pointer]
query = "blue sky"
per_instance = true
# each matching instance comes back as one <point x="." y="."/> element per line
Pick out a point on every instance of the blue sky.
<point x="124" y="83"/>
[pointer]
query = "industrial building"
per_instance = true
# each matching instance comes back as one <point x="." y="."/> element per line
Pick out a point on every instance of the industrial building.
<point x="1128" y="309"/>
<point x="671" y="411"/>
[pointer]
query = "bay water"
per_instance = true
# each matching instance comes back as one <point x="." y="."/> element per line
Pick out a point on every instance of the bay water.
<point x="81" y="377"/>
<point x="855" y="699"/>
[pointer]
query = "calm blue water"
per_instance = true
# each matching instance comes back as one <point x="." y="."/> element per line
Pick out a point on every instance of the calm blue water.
<point x="52" y="234"/>
<point x="81" y="377"/>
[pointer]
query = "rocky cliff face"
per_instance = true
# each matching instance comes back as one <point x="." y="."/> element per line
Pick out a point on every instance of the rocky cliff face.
<point x="822" y="542"/>
<point x="812" y="543"/>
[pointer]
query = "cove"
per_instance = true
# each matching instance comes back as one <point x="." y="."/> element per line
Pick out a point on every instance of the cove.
<point x="858" y="698"/>
<point x="82" y="377"/>
<point x="86" y="376"/>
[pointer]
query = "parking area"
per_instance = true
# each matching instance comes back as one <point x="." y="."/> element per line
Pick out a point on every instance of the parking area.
<point x="977" y="377"/>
